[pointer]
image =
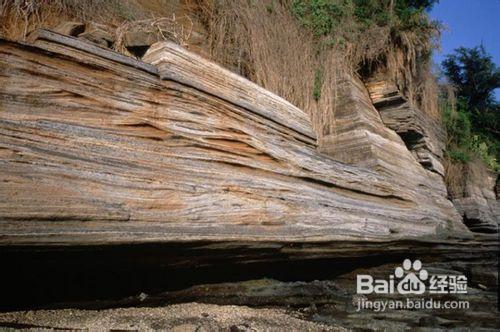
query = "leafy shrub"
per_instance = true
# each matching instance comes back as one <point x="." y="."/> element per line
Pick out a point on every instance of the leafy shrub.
<point x="482" y="147"/>
<point x="318" y="83"/>
<point x="319" y="15"/>
<point x="395" y="35"/>
<point x="322" y="15"/>
<point x="460" y="156"/>
<point x="464" y="142"/>
<point x="368" y="13"/>
<point x="457" y="124"/>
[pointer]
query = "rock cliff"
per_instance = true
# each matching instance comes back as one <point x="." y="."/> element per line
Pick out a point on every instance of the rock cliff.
<point x="173" y="163"/>
<point x="95" y="144"/>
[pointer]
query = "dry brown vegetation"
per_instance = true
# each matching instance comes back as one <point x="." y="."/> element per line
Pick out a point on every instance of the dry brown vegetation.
<point x="19" y="17"/>
<point x="270" y="48"/>
<point x="459" y="174"/>
<point x="166" y="28"/>
<point x="455" y="177"/>
<point x="263" y="41"/>
<point x="259" y="39"/>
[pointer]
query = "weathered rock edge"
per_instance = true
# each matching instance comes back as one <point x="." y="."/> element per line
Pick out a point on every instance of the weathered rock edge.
<point x="96" y="148"/>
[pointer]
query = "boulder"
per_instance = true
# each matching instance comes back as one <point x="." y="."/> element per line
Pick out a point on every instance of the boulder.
<point x="138" y="42"/>
<point x="480" y="215"/>
<point x="98" y="34"/>
<point x="70" y="28"/>
<point x="140" y="38"/>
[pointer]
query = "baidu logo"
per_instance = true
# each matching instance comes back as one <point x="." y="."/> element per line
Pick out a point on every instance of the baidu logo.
<point x="411" y="278"/>
<point x="411" y="283"/>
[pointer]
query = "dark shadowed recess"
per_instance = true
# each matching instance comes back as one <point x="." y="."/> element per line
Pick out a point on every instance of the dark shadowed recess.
<point x="95" y="277"/>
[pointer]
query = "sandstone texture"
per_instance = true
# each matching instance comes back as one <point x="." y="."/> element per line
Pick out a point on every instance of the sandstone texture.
<point x="423" y="136"/>
<point x="359" y="136"/>
<point x="101" y="148"/>
<point x="478" y="203"/>
<point x="70" y="28"/>
<point x="171" y="193"/>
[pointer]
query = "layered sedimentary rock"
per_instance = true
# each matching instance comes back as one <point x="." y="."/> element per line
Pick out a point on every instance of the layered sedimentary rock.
<point x="131" y="183"/>
<point x="360" y="136"/>
<point x="477" y="202"/>
<point x="423" y="136"/>
<point x="316" y="279"/>
<point x="101" y="148"/>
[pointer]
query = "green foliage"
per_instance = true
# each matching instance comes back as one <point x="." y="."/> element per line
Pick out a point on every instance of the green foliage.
<point x="371" y="12"/>
<point x="459" y="156"/>
<point x="479" y="145"/>
<point x="406" y="14"/>
<point x="409" y="13"/>
<point x="318" y="83"/>
<point x="475" y="76"/>
<point x="457" y="124"/>
<point x="464" y="142"/>
<point x="319" y="15"/>
<point x="355" y="26"/>
<point x="475" y="124"/>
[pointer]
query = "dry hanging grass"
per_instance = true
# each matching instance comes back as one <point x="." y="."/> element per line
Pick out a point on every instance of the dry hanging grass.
<point x="19" y="17"/>
<point x="264" y="42"/>
<point x="427" y="95"/>
<point x="259" y="39"/>
<point x="165" y="28"/>
<point x="402" y="58"/>
<point x="455" y="177"/>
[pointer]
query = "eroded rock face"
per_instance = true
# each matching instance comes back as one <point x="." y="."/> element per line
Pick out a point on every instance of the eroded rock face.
<point x="480" y="214"/>
<point x="70" y="28"/>
<point x="325" y="294"/>
<point x="360" y="136"/>
<point x="98" y="34"/>
<point x="100" y="148"/>
<point x="201" y="154"/>
<point x="424" y="137"/>
<point x="179" y="166"/>
<point x="477" y="203"/>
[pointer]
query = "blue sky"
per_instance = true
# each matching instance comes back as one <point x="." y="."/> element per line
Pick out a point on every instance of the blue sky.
<point x="469" y="23"/>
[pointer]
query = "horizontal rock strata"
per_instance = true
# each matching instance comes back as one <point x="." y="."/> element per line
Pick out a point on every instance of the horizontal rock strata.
<point x="315" y="278"/>
<point x="359" y="136"/>
<point x="100" y="148"/>
<point x="62" y="276"/>
<point x="131" y="183"/>
<point x="423" y="136"/>
<point x="477" y="202"/>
